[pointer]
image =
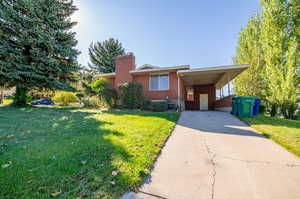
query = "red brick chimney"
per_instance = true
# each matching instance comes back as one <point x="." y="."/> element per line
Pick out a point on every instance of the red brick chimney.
<point x="124" y="64"/>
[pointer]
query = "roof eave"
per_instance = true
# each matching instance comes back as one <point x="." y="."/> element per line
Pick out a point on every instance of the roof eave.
<point x="228" y="67"/>
<point x="106" y="75"/>
<point x="176" y="68"/>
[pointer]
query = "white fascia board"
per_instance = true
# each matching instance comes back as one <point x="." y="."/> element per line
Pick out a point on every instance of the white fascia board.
<point x="215" y="68"/>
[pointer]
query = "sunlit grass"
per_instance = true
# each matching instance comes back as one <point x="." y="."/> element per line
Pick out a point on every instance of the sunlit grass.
<point x="77" y="152"/>
<point x="285" y="132"/>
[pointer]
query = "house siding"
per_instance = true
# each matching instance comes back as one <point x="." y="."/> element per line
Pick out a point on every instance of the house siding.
<point x="172" y="92"/>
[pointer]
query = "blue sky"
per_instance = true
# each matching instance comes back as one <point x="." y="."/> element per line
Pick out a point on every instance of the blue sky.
<point x="165" y="32"/>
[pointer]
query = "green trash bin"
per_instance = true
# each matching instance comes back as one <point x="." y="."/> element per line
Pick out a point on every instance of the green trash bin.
<point x="245" y="106"/>
<point x="235" y="101"/>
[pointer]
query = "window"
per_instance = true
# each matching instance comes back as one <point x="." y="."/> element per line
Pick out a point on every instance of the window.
<point x="190" y="94"/>
<point x="159" y="82"/>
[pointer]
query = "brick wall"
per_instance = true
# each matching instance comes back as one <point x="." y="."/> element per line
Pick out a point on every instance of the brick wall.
<point x="124" y="64"/>
<point x="224" y="102"/>
<point x="159" y="95"/>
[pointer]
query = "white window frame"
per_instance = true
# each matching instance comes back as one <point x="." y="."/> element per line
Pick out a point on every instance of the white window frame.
<point x="159" y="74"/>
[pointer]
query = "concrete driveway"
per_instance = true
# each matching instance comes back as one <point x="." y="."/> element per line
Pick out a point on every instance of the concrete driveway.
<point x="214" y="155"/>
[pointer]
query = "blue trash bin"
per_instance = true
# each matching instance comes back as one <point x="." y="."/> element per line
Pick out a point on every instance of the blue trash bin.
<point x="256" y="106"/>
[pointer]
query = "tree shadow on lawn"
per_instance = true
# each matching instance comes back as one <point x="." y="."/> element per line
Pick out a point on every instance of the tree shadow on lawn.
<point x="59" y="150"/>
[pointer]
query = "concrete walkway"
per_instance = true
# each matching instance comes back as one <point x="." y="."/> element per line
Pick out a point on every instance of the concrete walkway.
<point x="214" y="155"/>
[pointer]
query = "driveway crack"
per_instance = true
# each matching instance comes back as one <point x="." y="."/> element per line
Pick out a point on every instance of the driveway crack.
<point x="213" y="163"/>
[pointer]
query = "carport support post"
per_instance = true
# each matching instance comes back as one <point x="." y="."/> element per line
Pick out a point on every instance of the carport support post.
<point x="228" y="80"/>
<point x="178" y="92"/>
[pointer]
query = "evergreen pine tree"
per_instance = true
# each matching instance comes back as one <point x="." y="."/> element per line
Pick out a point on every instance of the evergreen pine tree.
<point x="102" y="55"/>
<point x="37" y="46"/>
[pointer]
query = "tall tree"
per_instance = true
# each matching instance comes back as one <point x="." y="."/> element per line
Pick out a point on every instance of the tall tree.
<point x="37" y="46"/>
<point x="280" y="41"/>
<point x="270" y="44"/>
<point x="102" y="55"/>
<point x="249" y="51"/>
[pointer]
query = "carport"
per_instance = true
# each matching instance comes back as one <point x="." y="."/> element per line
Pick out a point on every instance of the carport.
<point x="198" y="86"/>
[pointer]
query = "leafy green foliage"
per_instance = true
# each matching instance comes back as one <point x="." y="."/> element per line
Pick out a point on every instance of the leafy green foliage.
<point x="102" y="55"/>
<point x="159" y="106"/>
<point x="99" y="84"/>
<point x="108" y="97"/>
<point x="249" y="51"/>
<point x="146" y="105"/>
<point x="76" y="151"/>
<point x="132" y="95"/>
<point x="64" y="98"/>
<point x="91" y="102"/>
<point x="37" y="46"/>
<point x="271" y="44"/>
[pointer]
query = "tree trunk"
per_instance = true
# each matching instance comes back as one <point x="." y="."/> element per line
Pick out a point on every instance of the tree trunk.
<point x="273" y="110"/>
<point x="20" y="98"/>
<point x="1" y="96"/>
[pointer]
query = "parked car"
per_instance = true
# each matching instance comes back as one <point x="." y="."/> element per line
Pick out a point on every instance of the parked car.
<point x="42" y="101"/>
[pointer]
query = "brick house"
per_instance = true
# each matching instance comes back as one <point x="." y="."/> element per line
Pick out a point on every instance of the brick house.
<point x="191" y="89"/>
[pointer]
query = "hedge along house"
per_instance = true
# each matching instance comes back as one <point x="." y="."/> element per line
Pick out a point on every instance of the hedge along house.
<point x="191" y="89"/>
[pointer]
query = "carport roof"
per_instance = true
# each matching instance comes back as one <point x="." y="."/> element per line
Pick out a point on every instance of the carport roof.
<point x="219" y="75"/>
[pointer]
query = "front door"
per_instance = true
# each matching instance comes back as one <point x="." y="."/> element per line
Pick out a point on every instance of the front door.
<point x="203" y="102"/>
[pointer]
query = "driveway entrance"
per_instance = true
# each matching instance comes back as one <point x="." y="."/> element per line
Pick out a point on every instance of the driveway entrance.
<point x="215" y="155"/>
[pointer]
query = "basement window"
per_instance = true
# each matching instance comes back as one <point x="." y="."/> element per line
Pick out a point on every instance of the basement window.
<point x="159" y="82"/>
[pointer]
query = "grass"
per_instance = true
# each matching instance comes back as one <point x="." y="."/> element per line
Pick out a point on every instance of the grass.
<point x="284" y="132"/>
<point x="77" y="153"/>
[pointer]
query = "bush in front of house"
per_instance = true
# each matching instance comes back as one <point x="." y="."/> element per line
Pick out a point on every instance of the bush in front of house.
<point x="131" y="95"/>
<point x="159" y="106"/>
<point x="91" y="102"/>
<point x="108" y="97"/>
<point x="146" y="105"/>
<point x="64" y="98"/>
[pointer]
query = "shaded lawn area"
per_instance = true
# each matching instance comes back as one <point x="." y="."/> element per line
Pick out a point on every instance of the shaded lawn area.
<point x="75" y="152"/>
<point x="284" y="132"/>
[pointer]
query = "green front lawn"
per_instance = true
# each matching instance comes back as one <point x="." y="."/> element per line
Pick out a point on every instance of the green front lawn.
<point x="77" y="153"/>
<point x="284" y="132"/>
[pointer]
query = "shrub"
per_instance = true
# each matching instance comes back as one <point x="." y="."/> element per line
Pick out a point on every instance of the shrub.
<point x="159" y="106"/>
<point x="99" y="84"/>
<point x="131" y="95"/>
<point x="64" y="98"/>
<point x="91" y="102"/>
<point x="80" y="97"/>
<point x="108" y="97"/>
<point x="146" y="105"/>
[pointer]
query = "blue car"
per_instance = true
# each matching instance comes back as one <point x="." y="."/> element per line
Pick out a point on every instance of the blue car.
<point x="42" y="102"/>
